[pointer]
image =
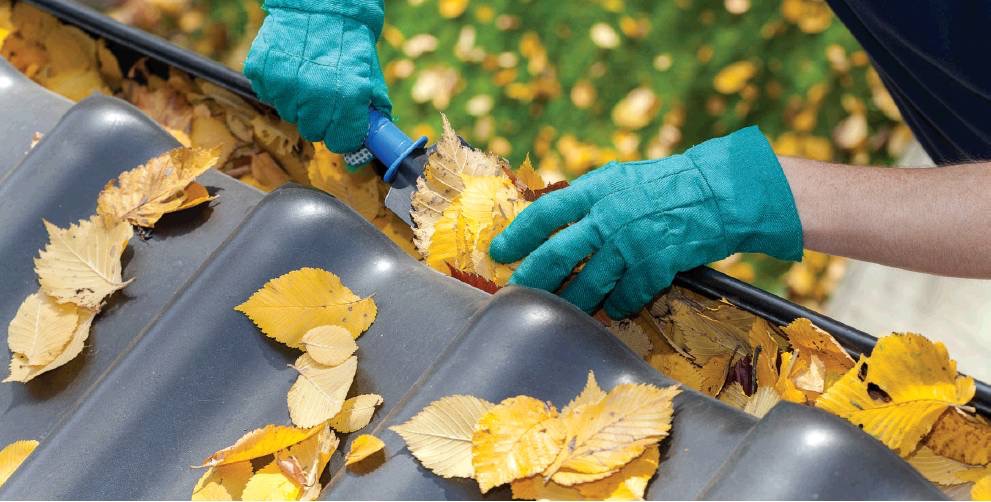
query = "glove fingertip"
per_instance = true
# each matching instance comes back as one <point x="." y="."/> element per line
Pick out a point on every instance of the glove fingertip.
<point x="502" y="249"/>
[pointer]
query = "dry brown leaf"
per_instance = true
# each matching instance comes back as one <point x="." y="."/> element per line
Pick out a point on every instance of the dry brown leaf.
<point x="440" y="435"/>
<point x="632" y="335"/>
<point x="515" y="439"/>
<point x="355" y="413"/>
<point x="194" y="195"/>
<point x="81" y="264"/>
<point x="962" y="437"/>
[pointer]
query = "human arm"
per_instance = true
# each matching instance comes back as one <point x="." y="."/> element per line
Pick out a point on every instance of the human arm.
<point x="934" y="220"/>
<point x="315" y="61"/>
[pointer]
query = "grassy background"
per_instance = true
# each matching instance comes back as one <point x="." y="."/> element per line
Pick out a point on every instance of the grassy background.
<point x="576" y="84"/>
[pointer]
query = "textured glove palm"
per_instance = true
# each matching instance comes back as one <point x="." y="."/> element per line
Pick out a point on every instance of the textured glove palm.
<point x="642" y="222"/>
<point x="315" y="62"/>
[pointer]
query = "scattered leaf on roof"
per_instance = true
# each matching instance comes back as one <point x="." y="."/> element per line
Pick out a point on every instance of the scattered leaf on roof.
<point x="42" y="328"/>
<point x="355" y="413"/>
<point x="440" y="435"/>
<point x="142" y="195"/>
<point x="319" y="391"/>
<point x="329" y="345"/>
<point x="270" y="483"/>
<point x="363" y="447"/>
<point x="258" y="443"/>
<point x="286" y="307"/>
<point x="13" y="455"/>
<point x="224" y="482"/>
<point x="81" y="264"/>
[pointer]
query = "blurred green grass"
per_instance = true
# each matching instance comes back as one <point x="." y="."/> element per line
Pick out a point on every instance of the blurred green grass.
<point x="575" y="84"/>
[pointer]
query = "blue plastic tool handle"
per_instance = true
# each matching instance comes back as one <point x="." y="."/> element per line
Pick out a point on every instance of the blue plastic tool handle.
<point x="389" y="144"/>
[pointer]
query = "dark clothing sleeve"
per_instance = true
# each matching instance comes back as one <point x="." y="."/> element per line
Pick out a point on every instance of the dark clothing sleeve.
<point x="933" y="57"/>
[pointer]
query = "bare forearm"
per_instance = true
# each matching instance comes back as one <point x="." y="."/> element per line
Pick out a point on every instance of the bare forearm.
<point x="935" y="220"/>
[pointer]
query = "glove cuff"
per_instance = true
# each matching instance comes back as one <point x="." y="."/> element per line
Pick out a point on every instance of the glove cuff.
<point x="370" y="13"/>
<point x="757" y="207"/>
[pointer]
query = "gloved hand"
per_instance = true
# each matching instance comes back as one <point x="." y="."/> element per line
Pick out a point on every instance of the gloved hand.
<point x="315" y="62"/>
<point x="642" y="222"/>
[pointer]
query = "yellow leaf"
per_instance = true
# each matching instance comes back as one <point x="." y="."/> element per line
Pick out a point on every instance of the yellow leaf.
<point x="225" y="482"/>
<point x="785" y="385"/>
<point x="632" y="335"/>
<point x="734" y="77"/>
<point x="733" y="395"/>
<point x="936" y="468"/>
<point x="536" y="488"/>
<point x="286" y="307"/>
<point x="319" y="392"/>
<point x="356" y="413"/>
<point x="982" y="489"/>
<point x="21" y="371"/>
<point x="899" y="392"/>
<point x="440" y="435"/>
<point x="269" y="483"/>
<point x="766" y="353"/>
<point x="515" y="439"/>
<point x="359" y="190"/>
<point x="709" y="379"/>
<point x="811" y="341"/>
<point x="702" y="331"/>
<point x="267" y="172"/>
<point x="605" y="436"/>
<point x="304" y="462"/>
<point x="637" y="109"/>
<point x="762" y="401"/>
<point x="591" y="394"/>
<point x="441" y="182"/>
<point x="142" y="195"/>
<point x="13" y="455"/>
<point x="258" y="443"/>
<point x="529" y="176"/>
<point x="962" y="437"/>
<point x="329" y="345"/>
<point x="629" y="483"/>
<point x="450" y="9"/>
<point x="212" y="133"/>
<point x="81" y="264"/>
<point x="363" y="447"/>
<point x="194" y="195"/>
<point x="398" y="232"/>
<point x="42" y="328"/>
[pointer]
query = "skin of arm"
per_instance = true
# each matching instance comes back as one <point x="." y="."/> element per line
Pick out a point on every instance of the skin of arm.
<point x="933" y="220"/>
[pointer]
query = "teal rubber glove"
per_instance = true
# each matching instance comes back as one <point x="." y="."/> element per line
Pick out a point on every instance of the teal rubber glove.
<point x="642" y="222"/>
<point x="315" y="62"/>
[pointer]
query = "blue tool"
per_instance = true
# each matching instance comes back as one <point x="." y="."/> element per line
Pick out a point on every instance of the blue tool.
<point x="403" y="161"/>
